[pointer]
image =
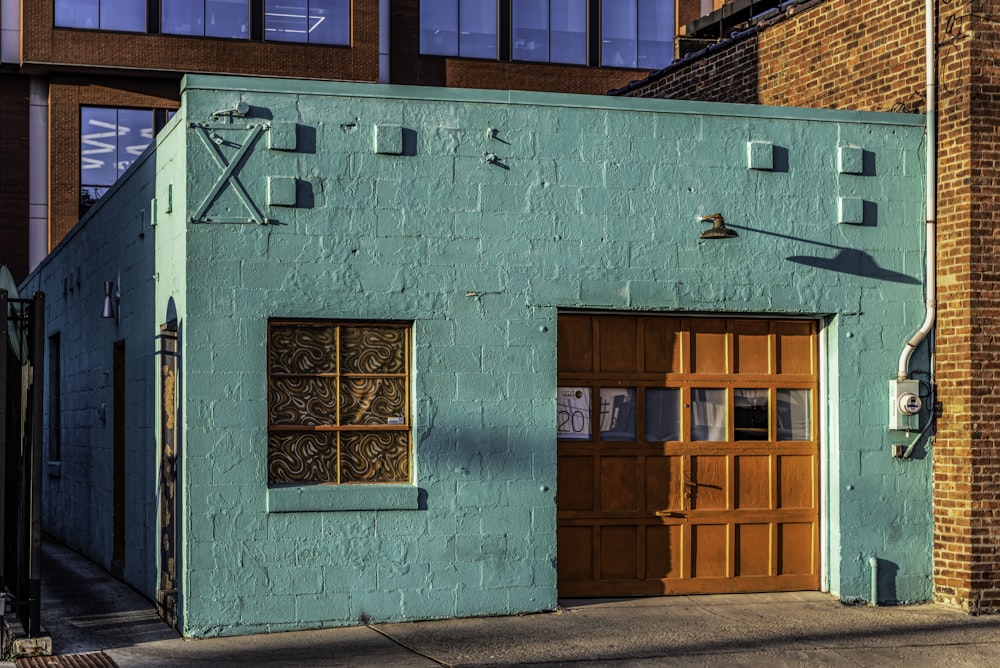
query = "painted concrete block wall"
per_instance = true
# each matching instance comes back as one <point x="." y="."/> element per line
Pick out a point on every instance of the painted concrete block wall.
<point x="500" y="210"/>
<point x="114" y="241"/>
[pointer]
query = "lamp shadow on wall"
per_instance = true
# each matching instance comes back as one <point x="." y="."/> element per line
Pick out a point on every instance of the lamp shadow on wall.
<point x="854" y="262"/>
<point x="846" y="260"/>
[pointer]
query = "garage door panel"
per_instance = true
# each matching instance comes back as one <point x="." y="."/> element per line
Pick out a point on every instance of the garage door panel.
<point x="664" y="483"/>
<point x="663" y="552"/>
<point x="753" y="549"/>
<point x="709" y="350"/>
<point x="796" y="474"/>
<point x="753" y="482"/>
<point x="698" y="471"/>
<point x="662" y="345"/>
<point x="708" y="483"/>
<point x="576" y="344"/>
<point x="709" y="550"/>
<point x="575" y="545"/>
<point x="619" y="483"/>
<point x="797" y="548"/>
<point x="795" y="347"/>
<point x="618" y="552"/>
<point x="618" y="345"/>
<point x="575" y="482"/>
<point x="751" y="349"/>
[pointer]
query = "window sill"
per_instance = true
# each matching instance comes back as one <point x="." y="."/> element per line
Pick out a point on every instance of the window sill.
<point x="318" y="498"/>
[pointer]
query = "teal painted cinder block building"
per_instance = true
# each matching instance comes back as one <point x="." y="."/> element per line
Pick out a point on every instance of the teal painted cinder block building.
<point x="389" y="353"/>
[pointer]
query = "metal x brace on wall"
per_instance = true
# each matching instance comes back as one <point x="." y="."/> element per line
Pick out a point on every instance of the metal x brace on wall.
<point x="209" y="135"/>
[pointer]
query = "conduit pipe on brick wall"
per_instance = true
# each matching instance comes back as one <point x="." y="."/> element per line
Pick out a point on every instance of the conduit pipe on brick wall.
<point x="930" y="72"/>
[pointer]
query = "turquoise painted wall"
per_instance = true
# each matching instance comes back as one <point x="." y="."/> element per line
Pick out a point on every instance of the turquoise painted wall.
<point x="478" y="216"/>
<point x="116" y="241"/>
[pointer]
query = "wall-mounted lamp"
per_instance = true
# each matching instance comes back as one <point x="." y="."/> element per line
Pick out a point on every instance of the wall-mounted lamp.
<point x="112" y="300"/>
<point x="719" y="229"/>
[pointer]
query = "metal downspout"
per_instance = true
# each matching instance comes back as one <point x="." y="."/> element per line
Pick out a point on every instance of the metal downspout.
<point x="930" y="70"/>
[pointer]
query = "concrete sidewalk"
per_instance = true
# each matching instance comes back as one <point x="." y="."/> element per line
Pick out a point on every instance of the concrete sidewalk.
<point x="85" y="610"/>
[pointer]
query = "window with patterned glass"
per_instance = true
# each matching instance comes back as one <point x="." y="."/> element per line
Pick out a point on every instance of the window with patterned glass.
<point x="338" y="402"/>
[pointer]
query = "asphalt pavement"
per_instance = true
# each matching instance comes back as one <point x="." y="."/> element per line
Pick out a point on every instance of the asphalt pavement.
<point x="86" y="611"/>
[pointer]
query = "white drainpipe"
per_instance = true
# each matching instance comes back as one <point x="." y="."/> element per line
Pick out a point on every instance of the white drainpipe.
<point x="930" y="67"/>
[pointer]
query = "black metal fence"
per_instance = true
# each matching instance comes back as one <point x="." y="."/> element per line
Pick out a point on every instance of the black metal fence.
<point x="22" y="366"/>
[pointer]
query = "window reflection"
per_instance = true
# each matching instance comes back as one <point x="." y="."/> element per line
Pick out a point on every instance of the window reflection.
<point x="656" y="34"/>
<point x="308" y="21"/>
<point x="794" y="415"/>
<point x="750" y="414"/>
<point x="708" y="414"/>
<point x="618" y="34"/>
<point x="477" y="25"/>
<point x="553" y="31"/>
<point x="465" y="28"/>
<point x="663" y="414"/>
<point x="110" y="140"/>
<point x="208" y="18"/>
<point x="617" y="413"/>
<point x="124" y="15"/>
<point x="637" y="33"/>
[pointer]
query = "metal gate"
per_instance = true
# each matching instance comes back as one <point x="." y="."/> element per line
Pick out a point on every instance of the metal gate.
<point x="22" y="336"/>
<point x="166" y="595"/>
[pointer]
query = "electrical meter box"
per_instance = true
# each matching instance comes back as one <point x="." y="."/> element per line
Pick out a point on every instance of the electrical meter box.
<point x="904" y="405"/>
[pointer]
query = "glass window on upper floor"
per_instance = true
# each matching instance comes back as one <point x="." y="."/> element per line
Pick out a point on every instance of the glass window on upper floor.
<point x="110" y="140"/>
<point x="466" y="28"/>
<point x="301" y="21"/>
<point x="207" y="18"/>
<point x="637" y="33"/>
<point x="611" y="33"/>
<point x="308" y="21"/>
<point x="552" y="31"/>
<point x="124" y="15"/>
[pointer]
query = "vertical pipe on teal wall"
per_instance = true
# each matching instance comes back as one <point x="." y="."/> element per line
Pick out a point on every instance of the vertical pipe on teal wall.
<point x="873" y="563"/>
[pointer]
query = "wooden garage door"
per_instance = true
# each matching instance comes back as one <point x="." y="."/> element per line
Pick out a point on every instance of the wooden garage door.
<point x="688" y="456"/>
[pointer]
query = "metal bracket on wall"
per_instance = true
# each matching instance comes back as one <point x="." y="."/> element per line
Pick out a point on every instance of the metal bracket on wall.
<point x="209" y="134"/>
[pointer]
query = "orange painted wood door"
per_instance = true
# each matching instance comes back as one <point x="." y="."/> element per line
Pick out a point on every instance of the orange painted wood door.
<point x="687" y="455"/>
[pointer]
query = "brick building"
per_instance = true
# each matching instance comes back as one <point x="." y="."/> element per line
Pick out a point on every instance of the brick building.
<point x="84" y="85"/>
<point x="871" y="56"/>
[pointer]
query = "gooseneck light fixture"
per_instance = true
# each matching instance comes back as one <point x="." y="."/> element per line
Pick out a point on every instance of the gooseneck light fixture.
<point x="719" y="229"/>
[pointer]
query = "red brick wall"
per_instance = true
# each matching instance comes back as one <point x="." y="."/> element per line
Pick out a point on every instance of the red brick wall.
<point x="66" y="95"/>
<point x="868" y="55"/>
<point x="728" y="74"/>
<point x="839" y="54"/>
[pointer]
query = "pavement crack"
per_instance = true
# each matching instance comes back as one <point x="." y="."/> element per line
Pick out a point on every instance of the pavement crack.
<point x="385" y="635"/>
